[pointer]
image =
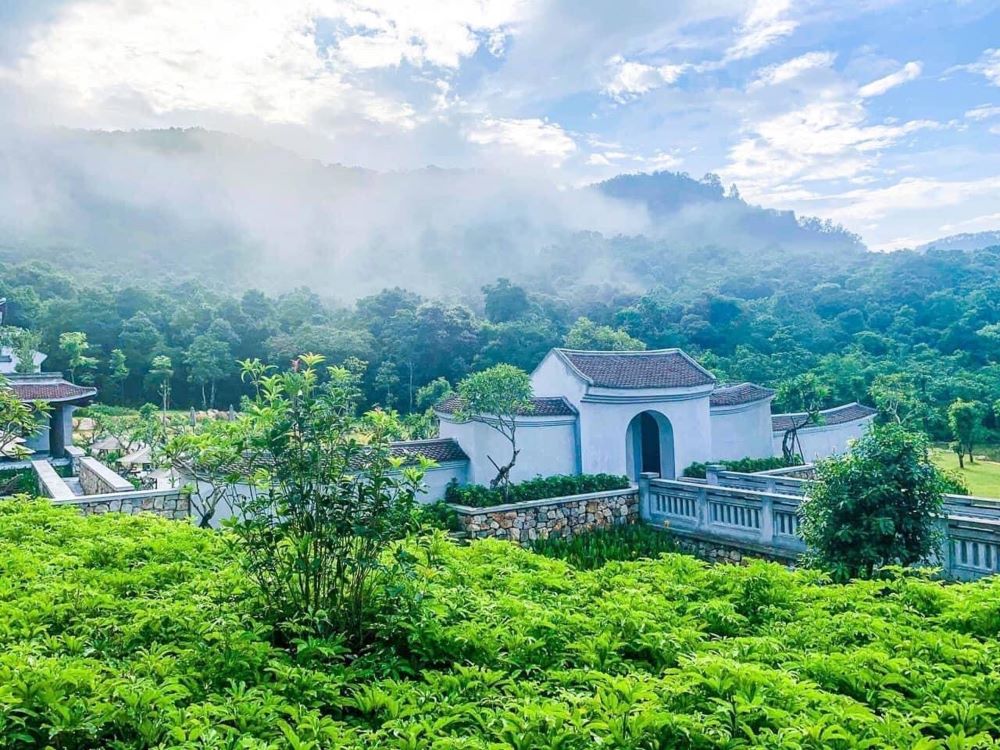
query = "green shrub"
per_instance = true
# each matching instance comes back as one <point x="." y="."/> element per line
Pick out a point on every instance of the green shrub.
<point x="134" y="632"/>
<point x="438" y="515"/>
<point x="539" y="488"/>
<point x="594" y="548"/>
<point x="745" y="465"/>
<point x="18" y="481"/>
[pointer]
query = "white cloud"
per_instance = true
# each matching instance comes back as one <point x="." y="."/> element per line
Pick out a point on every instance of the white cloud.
<point x="826" y="139"/>
<point x="774" y="75"/>
<point x="765" y="23"/>
<point x="878" y="87"/>
<point x="272" y="61"/>
<point x="531" y="137"/>
<point x="983" y="112"/>
<point x="988" y="65"/>
<point x="630" y="79"/>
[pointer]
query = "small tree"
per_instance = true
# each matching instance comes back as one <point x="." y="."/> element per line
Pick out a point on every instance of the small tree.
<point x="496" y="397"/>
<point x="319" y="504"/>
<point x="806" y="393"/>
<point x="878" y="505"/>
<point x="161" y="371"/>
<point x="208" y="359"/>
<point x="118" y="372"/>
<point x="386" y="382"/>
<point x="963" y="420"/>
<point x="74" y="346"/>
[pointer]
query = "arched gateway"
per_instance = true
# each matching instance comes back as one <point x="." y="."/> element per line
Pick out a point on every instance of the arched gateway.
<point x="649" y="445"/>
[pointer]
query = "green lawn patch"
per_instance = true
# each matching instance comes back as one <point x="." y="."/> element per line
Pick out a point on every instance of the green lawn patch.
<point x="983" y="477"/>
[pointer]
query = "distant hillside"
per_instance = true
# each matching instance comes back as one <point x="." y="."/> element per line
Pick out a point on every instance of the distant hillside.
<point x="973" y="241"/>
<point x="213" y="205"/>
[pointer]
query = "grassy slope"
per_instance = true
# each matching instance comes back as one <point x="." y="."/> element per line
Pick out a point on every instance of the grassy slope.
<point x="983" y="477"/>
<point x="130" y="632"/>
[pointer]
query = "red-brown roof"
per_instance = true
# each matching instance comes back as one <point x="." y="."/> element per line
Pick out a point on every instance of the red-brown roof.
<point x="834" y="416"/>
<point x="47" y="387"/>
<point x="441" y="450"/>
<point x="663" y="368"/>
<point x="541" y="406"/>
<point x="738" y="394"/>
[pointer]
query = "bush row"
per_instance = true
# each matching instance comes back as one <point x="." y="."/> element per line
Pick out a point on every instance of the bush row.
<point x="745" y="465"/>
<point x="592" y="549"/>
<point x="539" y="488"/>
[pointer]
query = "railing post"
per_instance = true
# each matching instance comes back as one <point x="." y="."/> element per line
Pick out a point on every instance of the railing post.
<point x="766" y="519"/>
<point x="712" y="473"/>
<point x="644" y="498"/>
<point x="702" y="504"/>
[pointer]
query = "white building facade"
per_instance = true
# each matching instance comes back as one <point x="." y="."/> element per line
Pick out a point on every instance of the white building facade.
<point x="634" y="412"/>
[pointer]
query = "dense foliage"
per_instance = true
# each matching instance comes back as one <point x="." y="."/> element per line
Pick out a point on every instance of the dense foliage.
<point x="135" y="632"/>
<point x="908" y="332"/>
<point x="746" y="465"/>
<point x="877" y="505"/>
<point x="539" y="488"/>
<point x="592" y="549"/>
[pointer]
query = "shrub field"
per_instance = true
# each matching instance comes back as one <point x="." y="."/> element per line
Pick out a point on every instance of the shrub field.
<point x="539" y="488"/>
<point x="133" y="632"/>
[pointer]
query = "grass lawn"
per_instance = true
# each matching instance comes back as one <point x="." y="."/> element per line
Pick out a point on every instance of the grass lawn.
<point x="983" y="477"/>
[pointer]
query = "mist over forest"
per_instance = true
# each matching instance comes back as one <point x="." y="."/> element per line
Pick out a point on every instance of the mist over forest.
<point x="192" y="203"/>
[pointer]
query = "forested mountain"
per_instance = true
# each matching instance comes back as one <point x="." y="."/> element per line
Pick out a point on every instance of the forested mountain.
<point x="973" y="241"/>
<point x="156" y="244"/>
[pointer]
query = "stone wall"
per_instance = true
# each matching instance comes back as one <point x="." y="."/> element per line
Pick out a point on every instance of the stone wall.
<point x="98" y="479"/>
<point x="165" y="503"/>
<point x="714" y="551"/>
<point x="562" y="516"/>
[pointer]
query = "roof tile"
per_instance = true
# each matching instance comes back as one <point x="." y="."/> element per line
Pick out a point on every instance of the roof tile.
<point x="836" y="415"/>
<point x="739" y="393"/>
<point x="542" y="406"/>
<point x="664" y="368"/>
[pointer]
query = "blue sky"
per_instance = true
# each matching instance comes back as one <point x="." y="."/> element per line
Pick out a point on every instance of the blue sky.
<point x="883" y="116"/>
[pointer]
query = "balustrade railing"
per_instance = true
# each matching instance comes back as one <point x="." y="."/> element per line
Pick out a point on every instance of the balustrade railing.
<point x="761" y="513"/>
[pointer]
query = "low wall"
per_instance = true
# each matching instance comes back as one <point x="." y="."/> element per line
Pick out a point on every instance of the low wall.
<point x="558" y="516"/>
<point x="165" y="503"/>
<point x="98" y="479"/>
<point x="50" y="484"/>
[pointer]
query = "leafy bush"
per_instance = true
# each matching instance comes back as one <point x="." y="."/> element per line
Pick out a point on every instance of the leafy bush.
<point x="438" y="515"/>
<point x="18" y="481"/>
<point x="875" y="506"/>
<point x="539" y="488"/>
<point x="746" y="465"/>
<point x="594" y="548"/>
<point x="133" y="632"/>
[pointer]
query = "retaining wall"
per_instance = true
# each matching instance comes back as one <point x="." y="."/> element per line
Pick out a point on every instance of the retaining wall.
<point x="561" y="516"/>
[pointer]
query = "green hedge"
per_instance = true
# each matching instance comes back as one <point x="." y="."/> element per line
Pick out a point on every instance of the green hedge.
<point x="745" y="465"/>
<point x="592" y="549"/>
<point x="540" y="488"/>
<point x="134" y="632"/>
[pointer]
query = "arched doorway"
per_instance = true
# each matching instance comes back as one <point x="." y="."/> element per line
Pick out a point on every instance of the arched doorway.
<point x="649" y="445"/>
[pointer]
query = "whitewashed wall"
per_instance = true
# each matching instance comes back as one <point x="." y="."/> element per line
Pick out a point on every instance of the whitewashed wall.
<point x="548" y="446"/>
<point x="604" y="428"/>
<point x="742" y="431"/>
<point x="825" y="440"/>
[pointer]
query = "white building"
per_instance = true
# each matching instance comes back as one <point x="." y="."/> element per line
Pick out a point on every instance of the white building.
<point x="633" y="412"/>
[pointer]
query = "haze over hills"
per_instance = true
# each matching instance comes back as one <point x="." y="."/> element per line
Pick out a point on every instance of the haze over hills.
<point x="224" y="207"/>
<point x="967" y="241"/>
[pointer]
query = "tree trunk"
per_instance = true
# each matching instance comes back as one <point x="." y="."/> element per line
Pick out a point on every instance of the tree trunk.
<point x="204" y="401"/>
<point x="961" y="460"/>
<point x="212" y="395"/>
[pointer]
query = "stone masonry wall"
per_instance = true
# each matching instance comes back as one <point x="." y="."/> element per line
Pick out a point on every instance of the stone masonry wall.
<point x="732" y="553"/>
<point x="539" y="519"/>
<point x="170" y="504"/>
<point x="97" y="479"/>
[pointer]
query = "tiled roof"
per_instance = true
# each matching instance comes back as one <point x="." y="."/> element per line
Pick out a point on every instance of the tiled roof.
<point x="47" y="387"/>
<point x="440" y="449"/>
<point x="542" y="406"/>
<point x="739" y="393"/>
<point x="665" y="368"/>
<point x="834" y="416"/>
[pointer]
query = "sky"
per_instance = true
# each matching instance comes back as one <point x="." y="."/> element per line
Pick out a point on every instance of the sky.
<point x="883" y="116"/>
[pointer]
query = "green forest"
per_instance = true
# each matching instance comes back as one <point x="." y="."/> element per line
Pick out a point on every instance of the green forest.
<point x="908" y="332"/>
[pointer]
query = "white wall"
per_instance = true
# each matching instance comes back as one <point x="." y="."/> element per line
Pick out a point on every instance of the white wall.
<point x="604" y="430"/>
<point x="547" y="445"/>
<point x="553" y="377"/>
<point x="825" y="440"/>
<point x="438" y="478"/>
<point x="742" y="431"/>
